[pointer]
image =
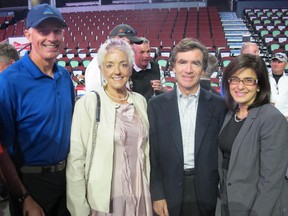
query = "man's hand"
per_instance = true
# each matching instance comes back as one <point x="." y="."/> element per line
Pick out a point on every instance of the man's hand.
<point x="157" y="85"/>
<point x="31" y="208"/>
<point x="160" y="207"/>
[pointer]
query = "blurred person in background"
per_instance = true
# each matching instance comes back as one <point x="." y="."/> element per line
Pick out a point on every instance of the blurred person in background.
<point x="8" y="55"/>
<point x="250" y="48"/>
<point x="205" y="80"/>
<point x="279" y="82"/>
<point x="147" y="77"/>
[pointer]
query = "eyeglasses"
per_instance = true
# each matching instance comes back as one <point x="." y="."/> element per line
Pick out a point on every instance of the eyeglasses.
<point x="248" y="81"/>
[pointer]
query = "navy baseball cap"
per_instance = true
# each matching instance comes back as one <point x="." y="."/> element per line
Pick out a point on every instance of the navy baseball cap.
<point x="124" y="30"/>
<point x="42" y="12"/>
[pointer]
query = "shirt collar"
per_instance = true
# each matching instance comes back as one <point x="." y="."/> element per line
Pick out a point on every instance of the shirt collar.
<point x="180" y="95"/>
<point x="271" y="74"/>
<point x="138" y="69"/>
<point x="35" y="71"/>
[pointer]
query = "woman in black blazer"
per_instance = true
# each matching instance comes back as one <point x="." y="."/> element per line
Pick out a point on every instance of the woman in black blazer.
<point x="253" y="144"/>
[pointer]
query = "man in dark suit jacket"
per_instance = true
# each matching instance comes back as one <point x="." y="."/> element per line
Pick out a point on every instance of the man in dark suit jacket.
<point x="184" y="126"/>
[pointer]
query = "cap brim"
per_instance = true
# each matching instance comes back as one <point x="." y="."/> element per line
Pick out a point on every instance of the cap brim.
<point x="134" y="39"/>
<point x="282" y="60"/>
<point x="46" y="18"/>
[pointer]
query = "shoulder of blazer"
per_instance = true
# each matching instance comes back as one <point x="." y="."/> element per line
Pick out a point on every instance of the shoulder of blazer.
<point x="138" y="100"/>
<point x="212" y="99"/>
<point x="264" y="111"/>
<point x="209" y="95"/>
<point x="164" y="97"/>
<point x="88" y="101"/>
<point x="170" y="95"/>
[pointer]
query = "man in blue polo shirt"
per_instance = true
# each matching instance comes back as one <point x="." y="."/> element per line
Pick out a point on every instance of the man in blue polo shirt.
<point x="36" y="100"/>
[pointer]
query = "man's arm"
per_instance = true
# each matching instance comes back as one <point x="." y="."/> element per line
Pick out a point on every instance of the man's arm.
<point x="16" y="187"/>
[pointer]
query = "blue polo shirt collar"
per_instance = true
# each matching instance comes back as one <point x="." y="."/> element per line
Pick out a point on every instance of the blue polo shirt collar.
<point x="35" y="71"/>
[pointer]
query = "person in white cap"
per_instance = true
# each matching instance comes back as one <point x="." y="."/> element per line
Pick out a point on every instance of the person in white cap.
<point x="37" y="101"/>
<point x="93" y="80"/>
<point x="279" y="82"/>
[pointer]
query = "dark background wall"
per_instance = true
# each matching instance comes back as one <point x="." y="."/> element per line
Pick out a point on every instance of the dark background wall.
<point x="18" y="3"/>
<point x="13" y="3"/>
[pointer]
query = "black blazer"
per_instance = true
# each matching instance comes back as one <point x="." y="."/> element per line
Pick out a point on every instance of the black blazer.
<point x="167" y="151"/>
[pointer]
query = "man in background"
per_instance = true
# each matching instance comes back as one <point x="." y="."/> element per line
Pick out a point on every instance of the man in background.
<point x="279" y="82"/>
<point x="146" y="75"/>
<point x="250" y="48"/>
<point x="205" y="80"/>
<point x="8" y="55"/>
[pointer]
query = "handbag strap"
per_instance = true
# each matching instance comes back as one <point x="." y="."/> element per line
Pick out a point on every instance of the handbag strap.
<point x="98" y="108"/>
<point x="95" y="129"/>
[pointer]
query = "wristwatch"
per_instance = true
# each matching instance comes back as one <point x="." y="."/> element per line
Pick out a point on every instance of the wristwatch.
<point x="22" y="197"/>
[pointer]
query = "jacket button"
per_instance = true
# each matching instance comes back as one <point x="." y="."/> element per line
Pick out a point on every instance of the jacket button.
<point x="180" y="184"/>
<point x="229" y="184"/>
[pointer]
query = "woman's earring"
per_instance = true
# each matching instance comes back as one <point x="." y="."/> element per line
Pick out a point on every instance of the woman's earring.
<point x="258" y="90"/>
<point x="104" y="82"/>
<point x="130" y="82"/>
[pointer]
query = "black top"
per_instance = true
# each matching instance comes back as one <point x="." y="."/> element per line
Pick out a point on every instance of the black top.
<point x="226" y="139"/>
<point x="277" y="77"/>
<point x="141" y="80"/>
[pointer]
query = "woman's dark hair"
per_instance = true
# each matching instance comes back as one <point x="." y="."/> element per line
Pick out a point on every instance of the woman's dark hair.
<point x="255" y="63"/>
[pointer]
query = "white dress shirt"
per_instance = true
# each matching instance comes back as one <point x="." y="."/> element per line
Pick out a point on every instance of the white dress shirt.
<point x="188" y="111"/>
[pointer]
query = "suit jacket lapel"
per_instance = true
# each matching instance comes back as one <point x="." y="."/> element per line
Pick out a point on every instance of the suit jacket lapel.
<point x="204" y="113"/>
<point x="171" y="115"/>
<point x="241" y="135"/>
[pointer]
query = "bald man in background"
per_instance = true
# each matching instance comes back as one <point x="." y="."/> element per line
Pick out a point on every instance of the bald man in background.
<point x="250" y="48"/>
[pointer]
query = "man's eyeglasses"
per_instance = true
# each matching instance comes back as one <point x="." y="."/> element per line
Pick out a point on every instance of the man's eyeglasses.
<point x="248" y="81"/>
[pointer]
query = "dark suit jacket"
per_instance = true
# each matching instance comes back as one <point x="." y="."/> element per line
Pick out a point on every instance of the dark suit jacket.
<point x="167" y="151"/>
